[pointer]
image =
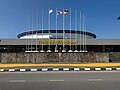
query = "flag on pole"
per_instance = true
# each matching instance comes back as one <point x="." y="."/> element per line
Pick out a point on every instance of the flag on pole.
<point x="50" y="11"/>
<point x="118" y="18"/>
<point x="65" y="11"/>
<point x="59" y="12"/>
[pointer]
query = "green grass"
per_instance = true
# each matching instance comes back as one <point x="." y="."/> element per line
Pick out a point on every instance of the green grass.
<point x="116" y="54"/>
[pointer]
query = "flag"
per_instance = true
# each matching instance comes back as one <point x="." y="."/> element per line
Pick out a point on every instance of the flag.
<point x="50" y="11"/>
<point x="118" y="18"/>
<point x="59" y="12"/>
<point x="65" y="11"/>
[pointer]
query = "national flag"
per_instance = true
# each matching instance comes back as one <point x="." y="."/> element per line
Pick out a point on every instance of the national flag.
<point x="65" y="11"/>
<point x="59" y="12"/>
<point x="50" y="11"/>
<point x="118" y="18"/>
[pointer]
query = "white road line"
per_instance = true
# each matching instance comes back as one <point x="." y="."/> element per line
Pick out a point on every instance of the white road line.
<point x="22" y="70"/>
<point x="108" y="69"/>
<point x="97" y="69"/>
<point x="55" y="69"/>
<point x="11" y="70"/>
<point x="1" y="70"/>
<point x="87" y="69"/>
<point x="44" y="69"/>
<point x="16" y="80"/>
<point x="0" y="89"/>
<point x="65" y="69"/>
<point x="95" y="79"/>
<point x="76" y="69"/>
<point x="33" y="70"/>
<point x="117" y="68"/>
<point x="59" y="80"/>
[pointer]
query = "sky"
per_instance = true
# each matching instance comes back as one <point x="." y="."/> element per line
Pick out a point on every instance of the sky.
<point x="17" y="16"/>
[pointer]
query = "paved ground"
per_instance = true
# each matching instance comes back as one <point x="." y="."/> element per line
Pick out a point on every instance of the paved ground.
<point x="60" y="81"/>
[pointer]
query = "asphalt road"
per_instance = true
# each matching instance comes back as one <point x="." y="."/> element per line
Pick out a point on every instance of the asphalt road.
<point x="60" y="80"/>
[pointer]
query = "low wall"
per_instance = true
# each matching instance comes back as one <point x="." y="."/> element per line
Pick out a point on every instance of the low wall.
<point x="54" y="57"/>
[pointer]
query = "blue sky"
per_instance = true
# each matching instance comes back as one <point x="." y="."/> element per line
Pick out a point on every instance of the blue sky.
<point x="100" y="15"/>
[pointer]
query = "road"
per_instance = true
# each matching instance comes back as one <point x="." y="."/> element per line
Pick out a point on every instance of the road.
<point x="60" y="80"/>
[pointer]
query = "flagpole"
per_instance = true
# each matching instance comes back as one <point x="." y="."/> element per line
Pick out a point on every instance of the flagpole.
<point x="36" y="30"/>
<point x="32" y="33"/>
<point x="85" y="36"/>
<point x="56" y="33"/>
<point x="70" y="34"/>
<point x="26" y="38"/>
<point x="81" y="33"/>
<point x="26" y="34"/>
<point x="70" y="30"/>
<point x="63" y="33"/>
<point x="63" y="29"/>
<point x="49" y="31"/>
<point x="42" y="32"/>
<point x="76" y="31"/>
<point x="85" y="33"/>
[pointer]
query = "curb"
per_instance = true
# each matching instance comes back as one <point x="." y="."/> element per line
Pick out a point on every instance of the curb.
<point x="61" y="69"/>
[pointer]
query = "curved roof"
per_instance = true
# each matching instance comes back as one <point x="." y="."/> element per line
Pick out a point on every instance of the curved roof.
<point x="54" y="31"/>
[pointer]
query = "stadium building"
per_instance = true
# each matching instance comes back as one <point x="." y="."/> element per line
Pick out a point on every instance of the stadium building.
<point x="44" y="40"/>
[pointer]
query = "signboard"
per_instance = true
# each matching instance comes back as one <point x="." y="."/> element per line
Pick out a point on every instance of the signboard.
<point x="57" y="41"/>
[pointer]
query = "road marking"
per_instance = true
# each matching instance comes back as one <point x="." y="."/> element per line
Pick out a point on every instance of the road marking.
<point x="56" y="80"/>
<point x="109" y="69"/>
<point x="95" y="79"/>
<point x="11" y="70"/>
<point x="44" y="69"/>
<point x="97" y="69"/>
<point x="87" y="69"/>
<point x="16" y="80"/>
<point x="65" y="69"/>
<point x="55" y="69"/>
<point x="0" y="89"/>
<point x="117" y="68"/>
<point x="22" y="70"/>
<point x="33" y="70"/>
<point x="1" y="70"/>
<point x="76" y="69"/>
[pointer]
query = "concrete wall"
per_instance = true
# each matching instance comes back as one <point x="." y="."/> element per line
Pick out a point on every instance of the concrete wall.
<point x="54" y="57"/>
